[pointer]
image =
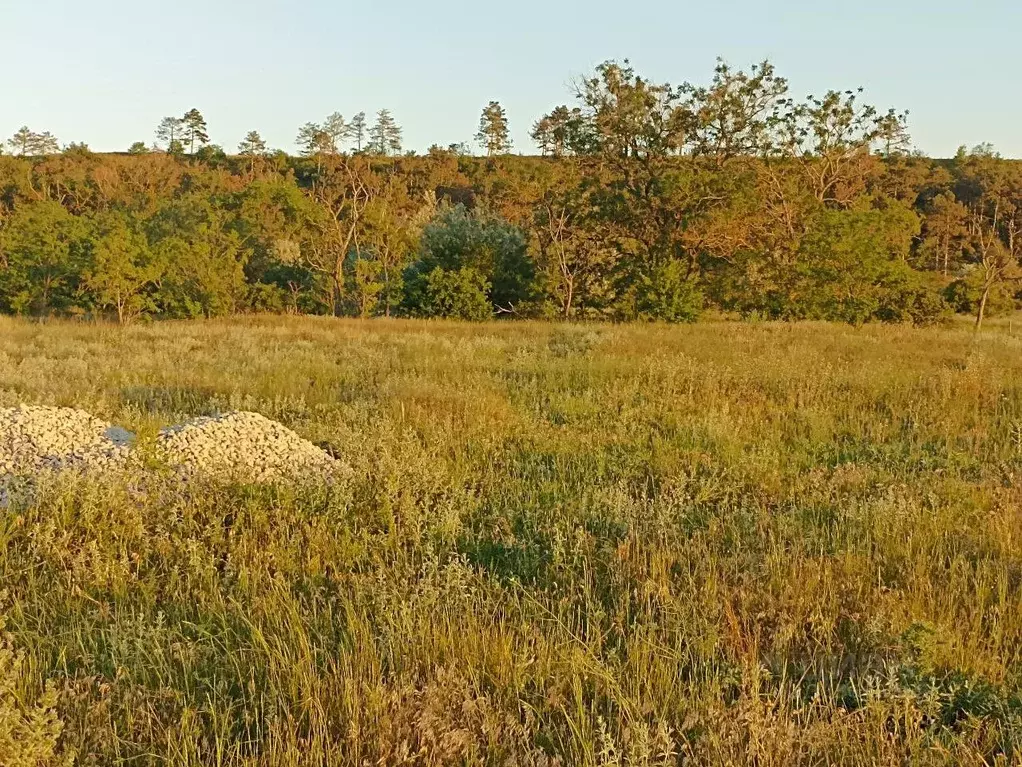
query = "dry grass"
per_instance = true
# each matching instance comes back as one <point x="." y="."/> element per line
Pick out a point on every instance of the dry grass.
<point x="719" y="544"/>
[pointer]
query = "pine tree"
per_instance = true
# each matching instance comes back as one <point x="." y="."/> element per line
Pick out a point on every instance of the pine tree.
<point x="554" y="132"/>
<point x="21" y="141"/>
<point x="357" y="130"/>
<point x="194" y="125"/>
<point x="314" y="140"/>
<point x="45" y="143"/>
<point x="385" y="135"/>
<point x="338" y="130"/>
<point x="28" y="143"/>
<point x="169" y="131"/>
<point x="493" y="135"/>
<point x="252" y="146"/>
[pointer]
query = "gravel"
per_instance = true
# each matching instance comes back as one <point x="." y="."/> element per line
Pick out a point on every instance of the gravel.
<point x="243" y="446"/>
<point x="237" y="446"/>
<point x="40" y="438"/>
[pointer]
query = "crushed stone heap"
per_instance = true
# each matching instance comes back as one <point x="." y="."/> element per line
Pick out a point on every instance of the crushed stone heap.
<point x="242" y="445"/>
<point x="35" y="438"/>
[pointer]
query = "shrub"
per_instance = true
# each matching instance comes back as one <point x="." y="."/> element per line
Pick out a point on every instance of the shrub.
<point x="666" y="294"/>
<point x="456" y="294"/>
<point x="490" y="248"/>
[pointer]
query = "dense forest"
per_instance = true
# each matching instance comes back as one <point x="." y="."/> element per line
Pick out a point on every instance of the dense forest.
<point x="649" y="201"/>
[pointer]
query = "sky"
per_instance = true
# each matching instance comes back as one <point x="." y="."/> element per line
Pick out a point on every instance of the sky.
<point x="104" y="72"/>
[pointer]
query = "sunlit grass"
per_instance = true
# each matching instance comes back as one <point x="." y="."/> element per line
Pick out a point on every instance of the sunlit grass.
<point x="726" y="543"/>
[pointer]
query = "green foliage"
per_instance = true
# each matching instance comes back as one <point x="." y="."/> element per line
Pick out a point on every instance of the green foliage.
<point x="122" y="271"/>
<point x="852" y="265"/>
<point x="367" y="286"/>
<point x="42" y="248"/>
<point x="493" y="134"/>
<point x="963" y="295"/>
<point x="667" y="294"/>
<point x="476" y="250"/>
<point x="205" y="260"/>
<point x="29" y="726"/>
<point x="650" y="201"/>
<point x="453" y="293"/>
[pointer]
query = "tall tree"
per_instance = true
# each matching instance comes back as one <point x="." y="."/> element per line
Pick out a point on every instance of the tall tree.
<point x="21" y="142"/>
<point x="46" y="143"/>
<point x="385" y="135"/>
<point x="41" y="247"/>
<point x="494" y="135"/>
<point x="121" y="267"/>
<point x="338" y="130"/>
<point x="347" y="188"/>
<point x="944" y="231"/>
<point x="831" y="140"/>
<point x="252" y="147"/>
<point x="29" y="143"/>
<point x="169" y="133"/>
<point x="194" y="125"/>
<point x="553" y="132"/>
<point x="358" y="130"/>
<point x="314" y="140"/>
<point x="996" y="263"/>
<point x="737" y="114"/>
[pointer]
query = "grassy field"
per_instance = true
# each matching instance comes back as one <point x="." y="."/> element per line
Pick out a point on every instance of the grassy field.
<point x="718" y="544"/>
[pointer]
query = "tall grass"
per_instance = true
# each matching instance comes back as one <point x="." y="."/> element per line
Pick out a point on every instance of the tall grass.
<point x="719" y="544"/>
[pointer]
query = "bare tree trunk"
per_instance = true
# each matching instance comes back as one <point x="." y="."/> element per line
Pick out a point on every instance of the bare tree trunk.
<point x="983" y="306"/>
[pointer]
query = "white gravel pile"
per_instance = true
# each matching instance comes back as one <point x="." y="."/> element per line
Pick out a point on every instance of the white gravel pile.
<point x="242" y="446"/>
<point x="235" y="446"/>
<point x="34" y="439"/>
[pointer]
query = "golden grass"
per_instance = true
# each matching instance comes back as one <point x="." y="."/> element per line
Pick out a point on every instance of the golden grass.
<point x="617" y="545"/>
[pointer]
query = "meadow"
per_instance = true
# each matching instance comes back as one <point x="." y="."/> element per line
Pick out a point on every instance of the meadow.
<point x="725" y="543"/>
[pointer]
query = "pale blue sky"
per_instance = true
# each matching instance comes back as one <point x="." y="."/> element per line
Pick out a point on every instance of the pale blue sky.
<point x="105" y="72"/>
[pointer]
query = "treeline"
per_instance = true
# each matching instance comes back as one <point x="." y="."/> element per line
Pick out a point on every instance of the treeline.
<point x="650" y="201"/>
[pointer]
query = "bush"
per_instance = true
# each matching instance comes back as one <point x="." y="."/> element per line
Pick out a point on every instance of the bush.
<point x="485" y="245"/>
<point x="666" y="294"/>
<point x="964" y="296"/>
<point x="456" y="294"/>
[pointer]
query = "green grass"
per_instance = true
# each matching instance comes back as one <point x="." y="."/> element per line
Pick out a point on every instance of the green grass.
<point x="718" y="544"/>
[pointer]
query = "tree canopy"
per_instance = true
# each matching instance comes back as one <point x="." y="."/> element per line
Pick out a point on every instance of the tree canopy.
<point x="648" y="201"/>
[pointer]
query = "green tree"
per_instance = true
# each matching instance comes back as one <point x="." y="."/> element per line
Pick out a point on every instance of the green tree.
<point x="737" y="114"/>
<point x="41" y="256"/>
<point x="571" y="251"/>
<point x="22" y="141"/>
<point x="252" y="147"/>
<point x="169" y="133"/>
<point x="482" y="243"/>
<point x="121" y="269"/>
<point x="204" y="258"/>
<point x="554" y="133"/>
<point x="29" y="143"/>
<point x="366" y="285"/>
<point x="338" y="130"/>
<point x="460" y="294"/>
<point x="385" y="135"/>
<point x="945" y="232"/>
<point x="358" y="130"/>
<point x="314" y="140"/>
<point x="138" y="148"/>
<point x="193" y="126"/>
<point x="493" y="134"/>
